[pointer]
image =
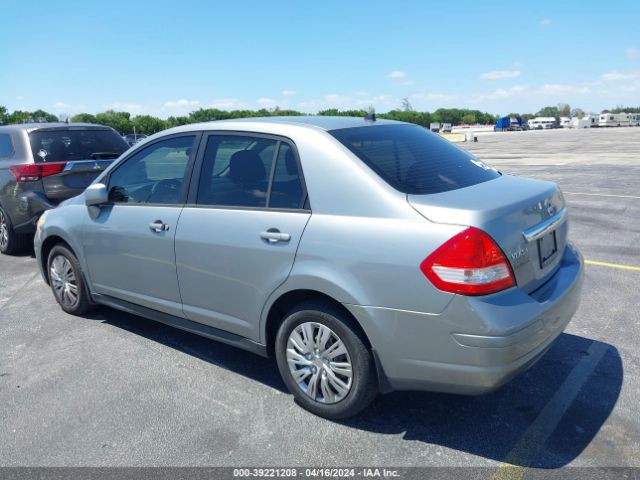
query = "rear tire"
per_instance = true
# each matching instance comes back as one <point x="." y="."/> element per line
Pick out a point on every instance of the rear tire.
<point x="67" y="281"/>
<point x="324" y="362"/>
<point x="10" y="242"/>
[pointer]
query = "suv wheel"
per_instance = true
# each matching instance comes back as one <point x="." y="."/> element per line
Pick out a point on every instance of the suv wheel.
<point x="11" y="242"/>
<point x="67" y="281"/>
<point x="324" y="362"/>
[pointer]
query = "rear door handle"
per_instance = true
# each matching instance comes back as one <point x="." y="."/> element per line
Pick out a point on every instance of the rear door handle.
<point x="273" y="235"/>
<point x="159" y="226"/>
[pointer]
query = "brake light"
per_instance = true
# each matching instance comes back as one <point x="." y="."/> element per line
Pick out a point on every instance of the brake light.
<point x="470" y="263"/>
<point x="35" y="171"/>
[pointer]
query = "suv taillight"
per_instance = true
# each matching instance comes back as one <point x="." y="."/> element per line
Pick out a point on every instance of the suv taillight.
<point x="33" y="172"/>
<point x="470" y="263"/>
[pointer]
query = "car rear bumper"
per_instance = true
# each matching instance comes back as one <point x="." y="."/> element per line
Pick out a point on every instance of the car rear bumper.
<point x="29" y="206"/>
<point x="477" y="343"/>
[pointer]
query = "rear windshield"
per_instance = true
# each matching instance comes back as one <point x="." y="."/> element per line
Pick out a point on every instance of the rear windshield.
<point x="413" y="160"/>
<point x="77" y="144"/>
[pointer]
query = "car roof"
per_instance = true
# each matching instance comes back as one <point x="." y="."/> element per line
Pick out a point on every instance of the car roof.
<point x="312" y="121"/>
<point x="30" y="127"/>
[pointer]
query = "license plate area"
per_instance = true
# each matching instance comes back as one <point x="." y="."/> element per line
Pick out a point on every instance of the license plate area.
<point x="547" y="249"/>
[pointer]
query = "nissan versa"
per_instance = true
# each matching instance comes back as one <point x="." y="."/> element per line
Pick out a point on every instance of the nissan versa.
<point x="366" y="256"/>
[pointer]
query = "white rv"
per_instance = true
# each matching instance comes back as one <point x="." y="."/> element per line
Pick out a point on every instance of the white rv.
<point x="565" y="122"/>
<point x="585" y="122"/>
<point x="542" y="123"/>
<point x="619" y="120"/>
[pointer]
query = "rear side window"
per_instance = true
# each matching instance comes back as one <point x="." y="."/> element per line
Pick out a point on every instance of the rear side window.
<point x="286" y="190"/>
<point x="76" y="144"/>
<point x="236" y="170"/>
<point x="413" y="160"/>
<point x="6" y="146"/>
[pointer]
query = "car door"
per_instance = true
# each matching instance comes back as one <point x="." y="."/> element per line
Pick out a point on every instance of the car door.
<point x="129" y="247"/>
<point x="237" y="237"/>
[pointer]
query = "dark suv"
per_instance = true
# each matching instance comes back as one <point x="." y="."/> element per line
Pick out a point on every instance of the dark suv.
<point x="42" y="164"/>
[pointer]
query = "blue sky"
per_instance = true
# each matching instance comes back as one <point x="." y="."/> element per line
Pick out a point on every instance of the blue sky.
<point x="170" y="57"/>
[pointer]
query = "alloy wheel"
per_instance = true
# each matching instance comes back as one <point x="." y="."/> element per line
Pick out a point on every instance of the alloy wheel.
<point x="319" y="362"/>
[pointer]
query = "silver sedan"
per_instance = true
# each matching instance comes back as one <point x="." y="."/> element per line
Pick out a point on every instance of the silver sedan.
<point x="366" y="256"/>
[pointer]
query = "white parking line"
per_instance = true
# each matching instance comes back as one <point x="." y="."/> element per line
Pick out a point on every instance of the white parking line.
<point x="533" y="439"/>
<point x="602" y="195"/>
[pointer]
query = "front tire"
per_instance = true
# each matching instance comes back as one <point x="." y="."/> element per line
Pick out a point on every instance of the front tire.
<point x="323" y="361"/>
<point x="10" y="242"/>
<point x="67" y="281"/>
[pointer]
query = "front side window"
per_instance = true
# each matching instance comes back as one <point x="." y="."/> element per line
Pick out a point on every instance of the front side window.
<point x="413" y="160"/>
<point x="6" y="146"/>
<point x="153" y="175"/>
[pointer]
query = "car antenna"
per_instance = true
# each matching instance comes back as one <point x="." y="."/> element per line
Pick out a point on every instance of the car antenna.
<point x="371" y="117"/>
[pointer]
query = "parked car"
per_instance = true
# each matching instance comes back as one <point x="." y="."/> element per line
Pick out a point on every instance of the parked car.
<point x="366" y="256"/>
<point x="446" y="128"/>
<point x="134" y="138"/>
<point x="42" y="164"/>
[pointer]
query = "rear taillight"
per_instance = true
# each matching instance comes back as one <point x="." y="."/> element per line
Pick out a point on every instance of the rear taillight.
<point x="470" y="263"/>
<point x="35" y="171"/>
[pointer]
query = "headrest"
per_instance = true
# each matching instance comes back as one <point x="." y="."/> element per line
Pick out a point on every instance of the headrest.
<point x="246" y="166"/>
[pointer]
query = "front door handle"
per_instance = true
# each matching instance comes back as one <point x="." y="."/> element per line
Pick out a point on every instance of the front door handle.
<point x="273" y="235"/>
<point x="159" y="226"/>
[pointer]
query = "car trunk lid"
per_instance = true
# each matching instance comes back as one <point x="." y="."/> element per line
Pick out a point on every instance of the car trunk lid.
<point x="73" y="179"/>
<point x="526" y="218"/>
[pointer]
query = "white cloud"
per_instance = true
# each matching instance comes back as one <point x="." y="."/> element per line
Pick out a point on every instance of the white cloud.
<point x="498" y="74"/>
<point x="614" y="76"/>
<point x="267" y="102"/>
<point x="227" y="104"/>
<point x="513" y="91"/>
<point x="334" y="97"/>
<point x="632" y="52"/>
<point x="67" y="108"/>
<point x="432" y="97"/>
<point x="127" y="107"/>
<point x="564" y="89"/>
<point x="397" y="74"/>
<point x="545" y="22"/>
<point x="289" y="93"/>
<point x="182" y="103"/>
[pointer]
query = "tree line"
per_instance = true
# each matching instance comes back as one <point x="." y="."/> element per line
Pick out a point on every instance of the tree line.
<point x="124" y="123"/>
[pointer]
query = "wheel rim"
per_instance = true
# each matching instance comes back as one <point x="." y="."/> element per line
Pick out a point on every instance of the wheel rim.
<point x="319" y="362"/>
<point x="4" y="231"/>
<point x="63" y="281"/>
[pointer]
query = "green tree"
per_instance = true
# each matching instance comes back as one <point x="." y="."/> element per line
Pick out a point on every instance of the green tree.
<point x="177" y="121"/>
<point x="120" y="121"/>
<point x="42" y="116"/>
<point x="3" y="115"/>
<point x="468" y="118"/>
<point x="577" y="113"/>
<point x="19" y="116"/>
<point x="147" y="124"/>
<point x="564" y="109"/>
<point x="621" y="109"/>
<point x="548" y="112"/>
<point x="84" y="118"/>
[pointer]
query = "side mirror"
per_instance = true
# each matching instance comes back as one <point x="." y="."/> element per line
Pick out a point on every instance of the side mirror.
<point x="96" y="194"/>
